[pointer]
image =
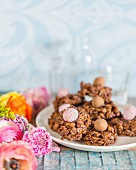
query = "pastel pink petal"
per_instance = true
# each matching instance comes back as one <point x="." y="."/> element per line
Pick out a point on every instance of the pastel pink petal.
<point x="4" y="122"/>
<point x="56" y="149"/>
<point x="20" y="151"/>
<point x="8" y="134"/>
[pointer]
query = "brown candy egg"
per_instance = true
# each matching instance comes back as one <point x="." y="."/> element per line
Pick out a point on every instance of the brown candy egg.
<point x="99" y="81"/>
<point x="100" y="125"/>
<point x="97" y="101"/>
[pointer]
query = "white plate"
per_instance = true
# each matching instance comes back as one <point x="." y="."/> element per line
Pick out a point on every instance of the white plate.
<point x="122" y="143"/>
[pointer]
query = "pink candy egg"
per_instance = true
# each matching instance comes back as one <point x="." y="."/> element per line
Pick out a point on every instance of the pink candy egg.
<point x="63" y="107"/>
<point x="62" y="93"/>
<point x="129" y="112"/>
<point x="70" y="115"/>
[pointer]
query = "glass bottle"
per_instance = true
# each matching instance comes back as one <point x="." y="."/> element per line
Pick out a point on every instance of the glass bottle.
<point x="56" y="77"/>
<point x="84" y="60"/>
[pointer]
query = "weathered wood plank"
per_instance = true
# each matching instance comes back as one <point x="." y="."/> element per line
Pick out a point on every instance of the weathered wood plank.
<point x="95" y="158"/>
<point x="123" y="160"/>
<point x="108" y="158"/>
<point x="52" y="161"/>
<point x="67" y="160"/>
<point x="40" y="162"/>
<point x="122" y="157"/>
<point x="132" y="155"/>
<point x="81" y="160"/>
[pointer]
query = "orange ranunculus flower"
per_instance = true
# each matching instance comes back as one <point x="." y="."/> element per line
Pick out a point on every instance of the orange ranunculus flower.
<point x="19" y="106"/>
<point x="10" y="95"/>
<point x="17" y="103"/>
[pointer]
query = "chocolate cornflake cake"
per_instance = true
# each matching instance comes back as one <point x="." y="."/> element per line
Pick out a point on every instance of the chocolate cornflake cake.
<point x="97" y="138"/>
<point x="55" y="121"/>
<point x="108" y="111"/>
<point x="124" y="127"/>
<point x="91" y="115"/>
<point x="95" y="90"/>
<point x="74" y="99"/>
<point x="70" y="130"/>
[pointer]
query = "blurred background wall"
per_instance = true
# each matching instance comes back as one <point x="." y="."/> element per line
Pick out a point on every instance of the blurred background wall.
<point x="33" y="33"/>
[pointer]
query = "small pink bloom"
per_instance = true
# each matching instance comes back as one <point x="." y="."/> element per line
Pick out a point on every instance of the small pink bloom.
<point x="13" y="129"/>
<point x="40" y="140"/>
<point x="37" y="98"/>
<point x="19" y="121"/>
<point x="10" y="133"/>
<point x="17" y="154"/>
<point x="62" y="93"/>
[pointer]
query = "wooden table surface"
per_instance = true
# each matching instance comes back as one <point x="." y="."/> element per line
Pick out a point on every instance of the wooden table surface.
<point x="81" y="160"/>
<point x="69" y="159"/>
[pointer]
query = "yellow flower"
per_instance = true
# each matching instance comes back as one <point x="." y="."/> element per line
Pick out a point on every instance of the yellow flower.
<point x="5" y="97"/>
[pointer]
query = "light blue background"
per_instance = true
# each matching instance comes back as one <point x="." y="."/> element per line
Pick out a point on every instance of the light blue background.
<point x="30" y="30"/>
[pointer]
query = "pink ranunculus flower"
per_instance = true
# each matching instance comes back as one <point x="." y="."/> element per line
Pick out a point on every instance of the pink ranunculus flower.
<point x="40" y="140"/>
<point x="13" y="129"/>
<point x="17" y="155"/>
<point x="9" y="131"/>
<point x="37" y="98"/>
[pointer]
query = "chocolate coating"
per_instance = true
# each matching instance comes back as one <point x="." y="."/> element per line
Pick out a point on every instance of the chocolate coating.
<point x="99" y="81"/>
<point x="100" y="125"/>
<point x="97" y="101"/>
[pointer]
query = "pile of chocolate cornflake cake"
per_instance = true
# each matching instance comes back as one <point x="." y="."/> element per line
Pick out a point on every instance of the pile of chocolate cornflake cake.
<point x="91" y="115"/>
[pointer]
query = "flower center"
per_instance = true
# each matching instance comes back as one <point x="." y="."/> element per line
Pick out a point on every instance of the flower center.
<point x="13" y="164"/>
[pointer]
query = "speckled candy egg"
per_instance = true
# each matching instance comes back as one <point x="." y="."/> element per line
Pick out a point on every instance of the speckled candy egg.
<point x="63" y="107"/>
<point x="70" y="115"/>
<point x="129" y="112"/>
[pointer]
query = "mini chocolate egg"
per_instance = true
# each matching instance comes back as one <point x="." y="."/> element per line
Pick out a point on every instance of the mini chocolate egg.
<point x="63" y="107"/>
<point x="100" y="125"/>
<point x="129" y="112"/>
<point x="70" y="115"/>
<point x="97" y="101"/>
<point x="99" y="81"/>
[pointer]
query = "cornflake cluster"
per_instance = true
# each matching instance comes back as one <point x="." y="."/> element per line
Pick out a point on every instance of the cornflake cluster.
<point x="91" y="115"/>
